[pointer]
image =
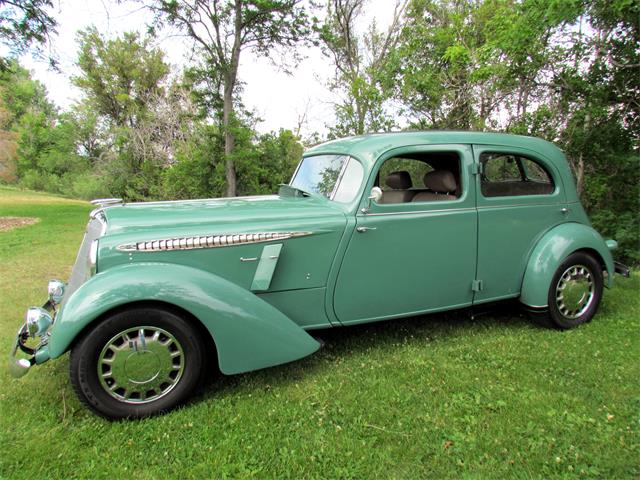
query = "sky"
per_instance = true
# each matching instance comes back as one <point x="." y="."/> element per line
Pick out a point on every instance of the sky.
<point x="280" y="100"/>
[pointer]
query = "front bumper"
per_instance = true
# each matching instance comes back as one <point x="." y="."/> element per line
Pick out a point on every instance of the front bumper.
<point x="23" y="356"/>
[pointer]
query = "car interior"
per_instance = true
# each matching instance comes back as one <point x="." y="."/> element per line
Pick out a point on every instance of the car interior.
<point x="425" y="177"/>
<point x="506" y="175"/>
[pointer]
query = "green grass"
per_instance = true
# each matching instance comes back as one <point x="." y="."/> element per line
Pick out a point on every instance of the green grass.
<point x="440" y="397"/>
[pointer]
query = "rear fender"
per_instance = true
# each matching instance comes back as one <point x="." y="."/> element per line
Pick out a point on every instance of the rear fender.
<point x="248" y="332"/>
<point x="551" y="250"/>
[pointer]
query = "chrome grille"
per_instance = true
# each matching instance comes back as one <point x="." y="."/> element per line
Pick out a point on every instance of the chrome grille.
<point x="80" y="272"/>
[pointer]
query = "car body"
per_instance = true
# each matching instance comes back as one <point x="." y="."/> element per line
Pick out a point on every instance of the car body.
<point x="370" y="228"/>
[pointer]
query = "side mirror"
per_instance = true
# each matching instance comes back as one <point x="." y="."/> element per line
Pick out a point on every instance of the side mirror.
<point x="376" y="195"/>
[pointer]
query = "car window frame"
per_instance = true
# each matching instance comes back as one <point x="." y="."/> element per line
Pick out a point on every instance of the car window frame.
<point x="465" y="201"/>
<point x="555" y="197"/>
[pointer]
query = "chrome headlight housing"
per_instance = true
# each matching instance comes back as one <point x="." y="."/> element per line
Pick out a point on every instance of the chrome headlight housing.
<point x="93" y="256"/>
<point x="38" y="321"/>
<point x="55" y="288"/>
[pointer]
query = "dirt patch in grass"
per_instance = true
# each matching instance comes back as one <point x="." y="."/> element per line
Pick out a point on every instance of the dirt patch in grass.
<point x="9" y="223"/>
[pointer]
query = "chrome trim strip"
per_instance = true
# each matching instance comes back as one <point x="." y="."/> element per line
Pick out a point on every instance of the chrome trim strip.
<point x="488" y="207"/>
<point x="103" y="202"/>
<point x="343" y="169"/>
<point x="511" y="205"/>
<point x="198" y="200"/>
<point x="207" y="241"/>
<point x="467" y="209"/>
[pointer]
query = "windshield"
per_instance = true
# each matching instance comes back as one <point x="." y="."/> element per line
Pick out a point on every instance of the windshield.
<point x="336" y="177"/>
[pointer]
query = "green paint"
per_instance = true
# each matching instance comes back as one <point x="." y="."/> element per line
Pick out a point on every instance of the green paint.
<point x="248" y="332"/>
<point x="266" y="267"/>
<point x="556" y="245"/>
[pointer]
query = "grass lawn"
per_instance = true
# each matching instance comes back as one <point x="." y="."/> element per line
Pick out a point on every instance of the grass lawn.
<point x="439" y="396"/>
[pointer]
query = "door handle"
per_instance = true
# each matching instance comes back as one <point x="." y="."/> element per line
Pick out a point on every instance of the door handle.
<point x="364" y="229"/>
<point x="565" y="210"/>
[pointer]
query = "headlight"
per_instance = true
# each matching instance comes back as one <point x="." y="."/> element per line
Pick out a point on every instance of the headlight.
<point x="93" y="256"/>
<point x="56" y="291"/>
<point x="38" y="321"/>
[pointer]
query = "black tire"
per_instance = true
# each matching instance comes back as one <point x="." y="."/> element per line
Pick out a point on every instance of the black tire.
<point x="584" y="273"/>
<point x="136" y="343"/>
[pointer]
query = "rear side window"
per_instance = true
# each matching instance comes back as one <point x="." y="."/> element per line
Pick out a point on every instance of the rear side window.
<point x="507" y="175"/>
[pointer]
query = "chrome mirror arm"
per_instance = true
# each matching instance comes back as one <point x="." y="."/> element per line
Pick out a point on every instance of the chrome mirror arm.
<point x="376" y="195"/>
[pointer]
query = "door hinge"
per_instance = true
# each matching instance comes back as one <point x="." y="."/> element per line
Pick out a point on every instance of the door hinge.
<point x="477" y="168"/>
<point x="476" y="285"/>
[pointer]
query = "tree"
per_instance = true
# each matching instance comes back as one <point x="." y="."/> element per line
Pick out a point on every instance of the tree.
<point x="221" y="30"/>
<point x="476" y="65"/>
<point x="8" y="147"/>
<point x="360" y="62"/>
<point x="595" y="98"/>
<point x="120" y="77"/>
<point x="25" y="24"/>
<point x="124" y="81"/>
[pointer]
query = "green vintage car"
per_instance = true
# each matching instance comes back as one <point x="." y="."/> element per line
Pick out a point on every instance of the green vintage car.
<point x="370" y="228"/>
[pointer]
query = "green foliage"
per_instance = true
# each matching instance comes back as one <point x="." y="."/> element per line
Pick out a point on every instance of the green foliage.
<point x="120" y="77"/>
<point x="262" y="163"/>
<point x="24" y="26"/>
<point x="46" y="157"/>
<point x="267" y="162"/>
<point x="220" y="30"/>
<point x="198" y="171"/>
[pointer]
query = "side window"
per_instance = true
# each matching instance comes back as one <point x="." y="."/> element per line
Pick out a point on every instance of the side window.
<point x="421" y="177"/>
<point x="503" y="168"/>
<point x="506" y="175"/>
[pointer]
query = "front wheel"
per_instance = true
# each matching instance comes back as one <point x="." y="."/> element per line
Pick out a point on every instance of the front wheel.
<point x="137" y="363"/>
<point x="575" y="291"/>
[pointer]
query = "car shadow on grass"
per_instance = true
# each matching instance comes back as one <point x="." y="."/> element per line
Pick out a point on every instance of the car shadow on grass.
<point x="341" y="342"/>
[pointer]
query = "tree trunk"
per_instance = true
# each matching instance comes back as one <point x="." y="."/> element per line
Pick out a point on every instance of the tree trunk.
<point x="229" y="139"/>
<point x="580" y="166"/>
<point x="230" y="77"/>
<point x="580" y="175"/>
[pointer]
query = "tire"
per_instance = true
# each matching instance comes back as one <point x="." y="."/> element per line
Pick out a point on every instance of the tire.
<point x="575" y="291"/>
<point x="136" y="363"/>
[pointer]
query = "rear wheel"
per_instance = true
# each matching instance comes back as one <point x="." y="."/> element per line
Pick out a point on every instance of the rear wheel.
<point x="136" y="363"/>
<point x="575" y="291"/>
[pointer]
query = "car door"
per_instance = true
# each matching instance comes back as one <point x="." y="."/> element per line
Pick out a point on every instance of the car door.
<point x="411" y="257"/>
<point x="520" y="197"/>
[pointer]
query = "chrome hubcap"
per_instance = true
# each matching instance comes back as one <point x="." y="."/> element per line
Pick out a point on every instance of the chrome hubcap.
<point x="574" y="292"/>
<point x="140" y="365"/>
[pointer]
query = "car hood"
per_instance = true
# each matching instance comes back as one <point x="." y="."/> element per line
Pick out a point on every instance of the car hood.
<point x="216" y="215"/>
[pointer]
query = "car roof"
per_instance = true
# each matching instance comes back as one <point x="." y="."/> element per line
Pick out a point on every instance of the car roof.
<point x="369" y="147"/>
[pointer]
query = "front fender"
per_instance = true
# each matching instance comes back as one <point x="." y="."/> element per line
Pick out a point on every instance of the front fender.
<point x="551" y="250"/>
<point x="248" y="332"/>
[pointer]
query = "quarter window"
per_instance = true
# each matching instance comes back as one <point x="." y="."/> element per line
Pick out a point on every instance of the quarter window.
<point x="350" y="182"/>
<point x="506" y="175"/>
